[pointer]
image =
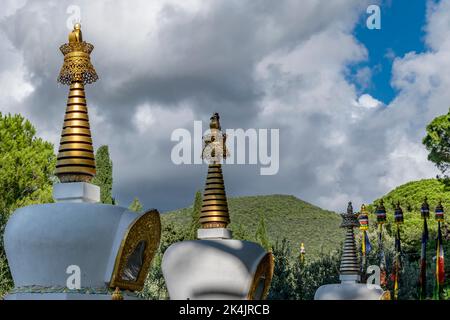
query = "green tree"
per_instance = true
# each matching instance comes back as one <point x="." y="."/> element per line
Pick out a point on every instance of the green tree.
<point x="195" y="221"/>
<point x="261" y="234"/>
<point x="155" y="285"/>
<point x="136" y="206"/>
<point x="282" y="287"/>
<point x="6" y="282"/>
<point x="27" y="164"/>
<point x="240" y="232"/>
<point x="437" y="141"/>
<point x="104" y="176"/>
<point x="308" y="277"/>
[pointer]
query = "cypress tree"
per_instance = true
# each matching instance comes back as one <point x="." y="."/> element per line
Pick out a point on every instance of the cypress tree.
<point x="261" y="234"/>
<point x="196" y="209"/>
<point x="104" y="178"/>
<point x="136" y="206"/>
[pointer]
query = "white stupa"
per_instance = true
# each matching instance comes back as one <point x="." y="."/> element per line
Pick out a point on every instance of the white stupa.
<point x="78" y="248"/>
<point x="216" y="266"/>
<point x="350" y="287"/>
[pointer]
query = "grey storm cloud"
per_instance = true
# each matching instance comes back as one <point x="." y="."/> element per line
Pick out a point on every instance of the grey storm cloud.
<point x="261" y="64"/>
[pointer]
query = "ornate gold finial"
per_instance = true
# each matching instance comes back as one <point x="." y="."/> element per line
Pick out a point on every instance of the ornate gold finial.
<point x="77" y="65"/>
<point x="349" y="260"/>
<point x="117" y="294"/>
<point x="214" y="213"/>
<point x="76" y="161"/>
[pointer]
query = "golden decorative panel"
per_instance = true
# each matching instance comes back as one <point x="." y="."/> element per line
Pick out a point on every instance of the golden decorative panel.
<point x="136" y="252"/>
<point x="260" y="286"/>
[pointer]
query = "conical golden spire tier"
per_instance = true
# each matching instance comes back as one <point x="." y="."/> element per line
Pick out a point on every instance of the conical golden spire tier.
<point x="214" y="213"/>
<point x="349" y="260"/>
<point x="76" y="160"/>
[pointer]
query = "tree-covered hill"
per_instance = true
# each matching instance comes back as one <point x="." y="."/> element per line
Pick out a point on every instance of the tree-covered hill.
<point x="411" y="196"/>
<point x="285" y="217"/>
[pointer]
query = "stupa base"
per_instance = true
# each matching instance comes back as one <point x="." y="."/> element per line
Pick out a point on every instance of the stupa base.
<point x="64" y="296"/>
<point x="349" y="291"/>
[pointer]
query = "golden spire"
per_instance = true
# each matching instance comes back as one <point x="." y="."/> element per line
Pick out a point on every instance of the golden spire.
<point x="349" y="260"/>
<point x="76" y="161"/>
<point x="214" y="212"/>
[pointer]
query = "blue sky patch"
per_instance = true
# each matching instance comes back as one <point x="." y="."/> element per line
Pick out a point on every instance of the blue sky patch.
<point x="402" y="23"/>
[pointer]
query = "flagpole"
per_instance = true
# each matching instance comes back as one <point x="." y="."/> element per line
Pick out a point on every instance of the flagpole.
<point x="381" y="219"/>
<point x="425" y="213"/>
<point x="440" y="272"/>
<point x="363" y="219"/>
<point x="398" y="218"/>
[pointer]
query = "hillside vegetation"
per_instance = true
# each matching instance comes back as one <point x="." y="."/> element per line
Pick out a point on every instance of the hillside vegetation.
<point x="411" y="196"/>
<point x="285" y="216"/>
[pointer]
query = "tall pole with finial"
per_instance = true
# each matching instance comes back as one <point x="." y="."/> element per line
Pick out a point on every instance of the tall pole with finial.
<point x="76" y="161"/>
<point x="440" y="270"/>
<point x="398" y="219"/>
<point x="425" y="213"/>
<point x="381" y="220"/>
<point x="302" y="253"/>
<point x="363" y="218"/>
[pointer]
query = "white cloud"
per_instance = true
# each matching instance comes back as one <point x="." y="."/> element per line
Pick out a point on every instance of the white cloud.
<point x="363" y="77"/>
<point x="14" y="87"/>
<point x="163" y="64"/>
<point x="368" y="102"/>
<point x="144" y="118"/>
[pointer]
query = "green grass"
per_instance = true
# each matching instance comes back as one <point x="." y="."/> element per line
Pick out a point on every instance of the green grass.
<point x="286" y="217"/>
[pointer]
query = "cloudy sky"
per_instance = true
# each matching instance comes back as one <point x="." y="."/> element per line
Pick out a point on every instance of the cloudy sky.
<point x="351" y="103"/>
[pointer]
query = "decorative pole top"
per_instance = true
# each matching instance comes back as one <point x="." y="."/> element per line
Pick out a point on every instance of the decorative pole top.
<point x="398" y="214"/>
<point x="381" y="212"/>
<point x="439" y="212"/>
<point x="425" y="209"/>
<point x="363" y="219"/>
<point x="77" y="65"/>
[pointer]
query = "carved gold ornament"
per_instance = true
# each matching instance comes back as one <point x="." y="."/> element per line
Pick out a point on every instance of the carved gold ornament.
<point x="260" y="286"/>
<point x="77" y="65"/>
<point x="386" y="295"/>
<point x="136" y="252"/>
